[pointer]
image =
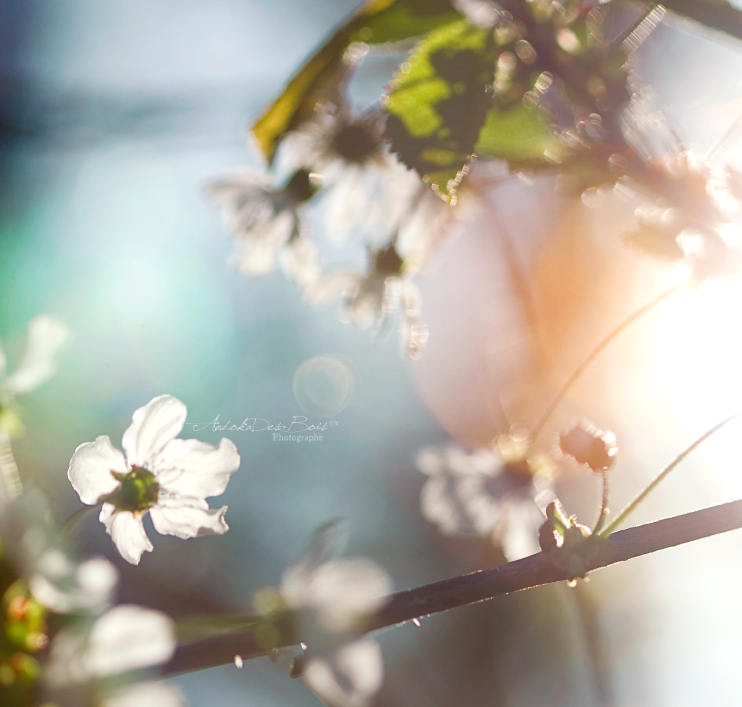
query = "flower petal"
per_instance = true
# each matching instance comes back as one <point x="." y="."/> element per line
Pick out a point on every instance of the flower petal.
<point x="189" y="467"/>
<point x="152" y="427"/>
<point x="127" y="532"/>
<point x="46" y="336"/>
<point x="61" y="587"/>
<point x="173" y="517"/>
<point x="350" y="678"/>
<point x="345" y="591"/>
<point x="300" y="262"/>
<point x="90" y="469"/>
<point x="129" y="637"/>
<point x="257" y="249"/>
<point x="296" y="581"/>
<point x="247" y="201"/>
<point x="146" y="694"/>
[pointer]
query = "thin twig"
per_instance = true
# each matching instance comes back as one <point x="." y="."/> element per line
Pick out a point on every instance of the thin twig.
<point x="529" y="572"/>
<point x="603" y="503"/>
<point x="594" y="353"/>
<point x="653" y="484"/>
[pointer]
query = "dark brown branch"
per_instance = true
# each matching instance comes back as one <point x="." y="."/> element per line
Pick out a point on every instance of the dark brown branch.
<point x="448" y="594"/>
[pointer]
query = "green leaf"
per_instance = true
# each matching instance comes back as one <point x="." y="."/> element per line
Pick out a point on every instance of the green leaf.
<point x="715" y="14"/>
<point x="519" y="135"/>
<point x="438" y="103"/>
<point x="406" y="19"/>
<point x="376" y="22"/>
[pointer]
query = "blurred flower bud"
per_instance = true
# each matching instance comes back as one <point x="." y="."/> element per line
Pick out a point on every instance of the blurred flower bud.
<point x="589" y="445"/>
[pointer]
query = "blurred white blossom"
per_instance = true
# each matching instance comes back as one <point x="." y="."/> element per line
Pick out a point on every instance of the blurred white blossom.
<point x="171" y="478"/>
<point x="125" y="638"/>
<point x="31" y="544"/>
<point x="480" y="494"/>
<point x="65" y="587"/>
<point x="265" y="221"/>
<point x="46" y="337"/>
<point x="334" y="141"/>
<point x="373" y="298"/>
<point x="333" y="599"/>
<point x="367" y="190"/>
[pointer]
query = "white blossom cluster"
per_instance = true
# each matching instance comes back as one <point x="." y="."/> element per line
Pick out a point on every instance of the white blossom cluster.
<point x="338" y="161"/>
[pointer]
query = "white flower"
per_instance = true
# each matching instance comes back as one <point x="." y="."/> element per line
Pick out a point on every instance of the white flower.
<point x="334" y="140"/>
<point x="373" y="298"/>
<point x="169" y="477"/>
<point x="477" y="494"/>
<point x="367" y="190"/>
<point x="263" y="219"/>
<point x="334" y="598"/>
<point x="125" y="638"/>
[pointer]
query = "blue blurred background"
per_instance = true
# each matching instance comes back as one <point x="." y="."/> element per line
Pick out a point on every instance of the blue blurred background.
<point x="113" y="117"/>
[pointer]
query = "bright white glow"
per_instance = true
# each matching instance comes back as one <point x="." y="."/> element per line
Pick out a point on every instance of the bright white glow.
<point x="699" y="364"/>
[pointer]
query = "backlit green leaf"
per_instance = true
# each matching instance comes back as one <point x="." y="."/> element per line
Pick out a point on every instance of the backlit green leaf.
<point x="438" y="102"/>
<point x="518" y="135"/>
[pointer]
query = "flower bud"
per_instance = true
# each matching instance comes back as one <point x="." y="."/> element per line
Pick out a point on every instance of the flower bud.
<point x="589" y="445"/>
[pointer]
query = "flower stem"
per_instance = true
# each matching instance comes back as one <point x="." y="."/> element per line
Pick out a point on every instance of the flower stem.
<point x="653" y="484"/>
<point x="603" y="503"/>
<point x="11" y="479"/>
<point x="70" y="524"/>
<point x="538" y="428"/>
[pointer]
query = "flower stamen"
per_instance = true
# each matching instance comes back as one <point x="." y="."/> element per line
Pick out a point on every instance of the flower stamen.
<point x="138" y="491"/>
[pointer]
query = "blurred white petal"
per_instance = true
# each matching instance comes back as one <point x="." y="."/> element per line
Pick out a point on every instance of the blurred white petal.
<point x="146" y="694"/>
<point x="129" y="637"/>
<point x="300" y="262"/>
<point x="88" y="587"/>
<point x="47" y="335"/>
<point x="348" y="678"/>
<point x="345" y="591"/>
<point x="125" y="638"/>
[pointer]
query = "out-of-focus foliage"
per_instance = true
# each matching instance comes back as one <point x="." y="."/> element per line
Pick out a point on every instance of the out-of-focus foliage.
<point x="438" y="102"/>
<point x="22" y="636"/>
<point x="376" y="22"/>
